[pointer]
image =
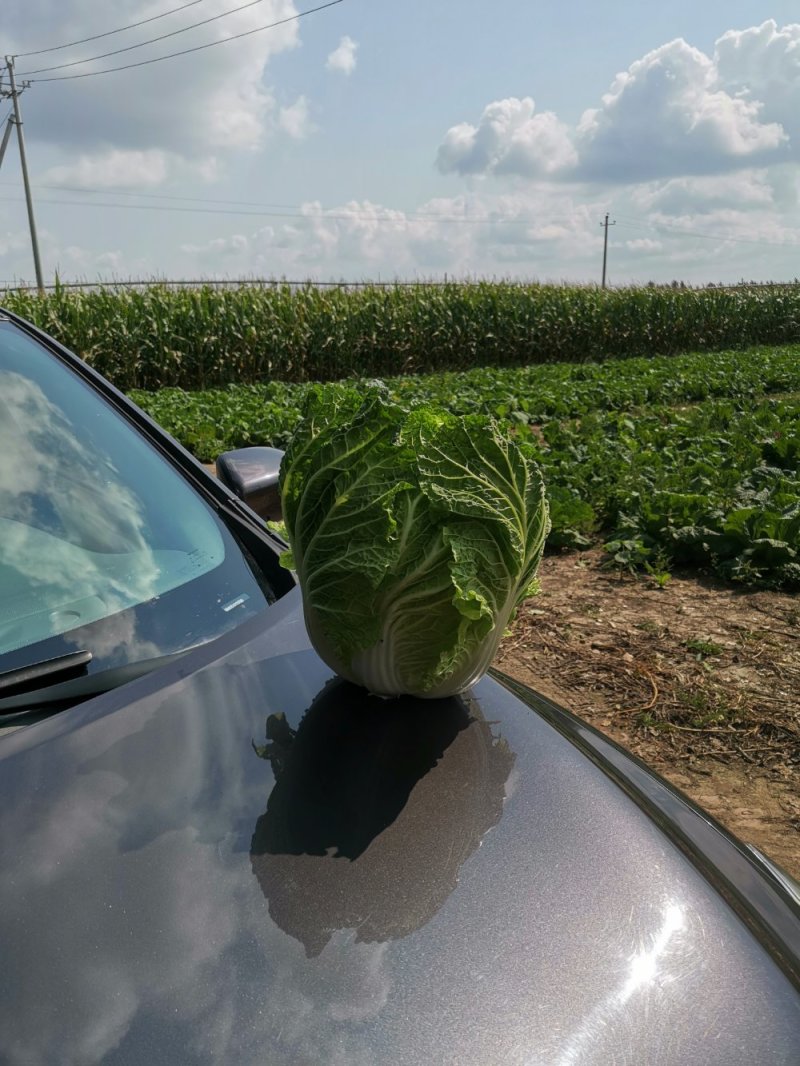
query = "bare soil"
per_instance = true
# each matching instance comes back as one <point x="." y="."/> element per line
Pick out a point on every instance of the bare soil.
<point x="699" y="679"/>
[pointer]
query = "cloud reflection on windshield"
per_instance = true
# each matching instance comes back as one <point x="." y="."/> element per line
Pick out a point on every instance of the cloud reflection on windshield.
<point x="72" y="535"/>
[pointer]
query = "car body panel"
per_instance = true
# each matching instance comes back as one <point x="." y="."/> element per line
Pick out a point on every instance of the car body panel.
<point x="239" y="858"/>
<point x="397" y="881"/>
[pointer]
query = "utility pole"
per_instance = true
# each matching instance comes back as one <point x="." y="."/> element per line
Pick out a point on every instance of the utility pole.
<point x="14" y="93"/>
<point x="6" y="135"/>
<point x="605" y="226"/>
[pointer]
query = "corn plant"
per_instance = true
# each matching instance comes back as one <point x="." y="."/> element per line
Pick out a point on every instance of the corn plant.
<point x="206" y="336"/>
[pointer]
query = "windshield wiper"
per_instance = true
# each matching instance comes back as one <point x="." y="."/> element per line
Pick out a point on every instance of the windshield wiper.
<point x="25" y="678"/>
<point x="48" y="697"/>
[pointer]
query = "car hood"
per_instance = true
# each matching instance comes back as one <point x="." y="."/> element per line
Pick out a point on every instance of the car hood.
<point x="242" y="859"/>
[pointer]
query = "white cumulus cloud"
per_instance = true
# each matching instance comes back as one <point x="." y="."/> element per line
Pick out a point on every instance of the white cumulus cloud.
<point x="296" y="119"/>
<point x="116" y="168"/>
<point x="519" y="234"/>
<point x="667" y="114"/>
<point x="192" y="104"/>
<point x="343" y="58"/>
<point x="644" y="244"/>
<point x="744" y="189"/>
<point x="763" y="64"/>
<point x="511" y="138"/>
<point x="675" y="112"/>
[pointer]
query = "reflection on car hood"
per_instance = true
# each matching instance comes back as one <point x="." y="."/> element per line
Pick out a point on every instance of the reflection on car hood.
<point x="257" y="863"/>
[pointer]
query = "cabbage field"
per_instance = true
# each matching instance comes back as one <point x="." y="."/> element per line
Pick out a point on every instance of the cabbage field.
<point x="690" y="460"/>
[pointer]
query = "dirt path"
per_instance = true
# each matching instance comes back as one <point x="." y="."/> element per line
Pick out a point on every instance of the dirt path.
<point x="699" y="679"/>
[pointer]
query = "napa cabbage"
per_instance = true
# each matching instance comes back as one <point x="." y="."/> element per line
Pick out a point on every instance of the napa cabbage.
<point x="414" y="534"/>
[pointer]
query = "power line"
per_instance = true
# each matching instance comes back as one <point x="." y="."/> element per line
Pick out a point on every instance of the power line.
<point x="167" y="207"/>
<point x="415" y="215"/>
<point x="197" y="48"/>
<point x="292" y="213"/>
<point x="295" y="209"/>
<point x="274" y="210"/>
<point x="108" y="33"/>
<point x="156" y="196"/>
<point x="659" y="227"/>
<point x="142" y="44"/>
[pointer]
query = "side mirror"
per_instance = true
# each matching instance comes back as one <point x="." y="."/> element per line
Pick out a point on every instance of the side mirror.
<point x="252" y="475"/>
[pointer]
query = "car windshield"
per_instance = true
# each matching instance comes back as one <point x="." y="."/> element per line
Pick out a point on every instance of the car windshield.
<point x="103" y="545"/>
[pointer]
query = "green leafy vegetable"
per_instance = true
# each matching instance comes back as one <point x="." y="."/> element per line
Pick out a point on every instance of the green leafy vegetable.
<point x="415" y="535"/>
<point x="626" y="461"/>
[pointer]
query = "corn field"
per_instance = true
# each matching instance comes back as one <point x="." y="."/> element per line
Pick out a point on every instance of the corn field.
<point x="196" y="338"/>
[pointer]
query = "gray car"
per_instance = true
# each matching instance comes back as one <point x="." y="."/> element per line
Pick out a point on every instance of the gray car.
<point x="214" y="851"/>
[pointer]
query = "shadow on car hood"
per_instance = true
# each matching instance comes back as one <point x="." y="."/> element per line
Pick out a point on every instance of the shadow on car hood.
<point x="355" y="796"/>
<point x="242" y="860"/>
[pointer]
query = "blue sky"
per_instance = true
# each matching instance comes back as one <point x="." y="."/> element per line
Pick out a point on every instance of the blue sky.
<point x="384" y="140"/>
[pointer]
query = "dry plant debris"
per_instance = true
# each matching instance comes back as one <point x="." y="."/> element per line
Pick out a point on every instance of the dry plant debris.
<point x="698" y="678"/>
